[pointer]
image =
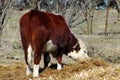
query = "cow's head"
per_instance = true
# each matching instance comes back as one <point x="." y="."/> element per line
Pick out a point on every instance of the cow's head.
<point x="78" y="50"/>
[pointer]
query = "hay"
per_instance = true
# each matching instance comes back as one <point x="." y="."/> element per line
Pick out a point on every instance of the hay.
<point x="92" y="69"/>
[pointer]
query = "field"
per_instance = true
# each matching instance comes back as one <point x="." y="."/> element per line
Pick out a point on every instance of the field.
<point x="104" y="52"/>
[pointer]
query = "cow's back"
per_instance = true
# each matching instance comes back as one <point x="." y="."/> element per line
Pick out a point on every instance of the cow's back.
<point x="34" y="24"/>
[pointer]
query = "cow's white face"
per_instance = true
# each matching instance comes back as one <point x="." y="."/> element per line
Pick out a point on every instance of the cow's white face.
<point x="79" y="55"/>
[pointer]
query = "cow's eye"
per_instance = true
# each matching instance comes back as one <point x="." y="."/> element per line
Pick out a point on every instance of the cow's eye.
<point x="77" y="48"/>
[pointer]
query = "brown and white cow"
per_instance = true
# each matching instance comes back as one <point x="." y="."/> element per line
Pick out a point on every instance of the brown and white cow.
<point x="45" y="33"/>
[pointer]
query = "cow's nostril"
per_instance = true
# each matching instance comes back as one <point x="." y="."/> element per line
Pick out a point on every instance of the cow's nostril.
<point x="70" y="57"/>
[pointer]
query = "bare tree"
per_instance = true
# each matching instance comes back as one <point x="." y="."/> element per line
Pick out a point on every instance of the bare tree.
<point x="111" y="3"/>
<point x="88" y="8"/>
<point x="5" y="12"/>
<point x="106" y="22"/>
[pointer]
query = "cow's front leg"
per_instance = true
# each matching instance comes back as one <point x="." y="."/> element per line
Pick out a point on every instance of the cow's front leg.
<point x="46" y="59"/>
<point x="59" y="57"/>
<point x="59" y="62"/>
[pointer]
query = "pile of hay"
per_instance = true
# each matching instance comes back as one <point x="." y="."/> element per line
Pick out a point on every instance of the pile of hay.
<point x="84" y="70"/>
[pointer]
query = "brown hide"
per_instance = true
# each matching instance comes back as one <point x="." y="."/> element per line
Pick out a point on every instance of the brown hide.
<point x="36" y="28"/>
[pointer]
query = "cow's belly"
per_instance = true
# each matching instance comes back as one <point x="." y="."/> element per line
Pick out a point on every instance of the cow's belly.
<point x="50" y="47"/>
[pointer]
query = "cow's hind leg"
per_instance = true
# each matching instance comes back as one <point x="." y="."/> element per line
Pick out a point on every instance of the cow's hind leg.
<point x="29" y="60"/>
<point x="37" y="58"/>
<point x="27" y="52"/>
<point x="46" y="59"/>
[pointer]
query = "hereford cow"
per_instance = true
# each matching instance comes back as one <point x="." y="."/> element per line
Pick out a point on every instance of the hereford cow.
<point x="45" y="33"/>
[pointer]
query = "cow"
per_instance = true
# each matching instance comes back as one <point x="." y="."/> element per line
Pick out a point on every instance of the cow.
<point x="44" y="33"/>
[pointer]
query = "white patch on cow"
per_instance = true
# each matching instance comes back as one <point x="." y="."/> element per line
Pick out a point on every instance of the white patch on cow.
<point x="50" y="47"/>
<point x="81" y="54"/>
<point x="59" y="66"/>
<point x="29" y="54"/>
<point x="28" y="70"/>
<point x="36" y="70"/>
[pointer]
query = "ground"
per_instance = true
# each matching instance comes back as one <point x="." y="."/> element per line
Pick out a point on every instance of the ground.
<point x="104" y="51"/>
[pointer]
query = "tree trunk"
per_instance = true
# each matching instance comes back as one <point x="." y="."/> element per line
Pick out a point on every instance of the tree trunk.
<point x="118" y="7"/>
<point x="106" y="22"/>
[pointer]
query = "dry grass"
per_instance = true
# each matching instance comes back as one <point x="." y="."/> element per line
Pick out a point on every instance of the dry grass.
<point x="84" y="70"/>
